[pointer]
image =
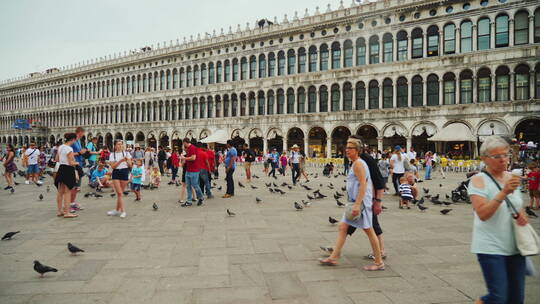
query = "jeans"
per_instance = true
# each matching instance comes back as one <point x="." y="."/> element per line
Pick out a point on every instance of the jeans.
<point x="192" y="180"/>
<point x="229" y="179"/>
<point x="395" y="180"/>
<point x="504" y="277"/>
<point x="346" y="166"/>
<point x="295" y="172"/>
<point x="204" y="181"/>
<point x="273" y="171"/>
<point x="428" y="172"/>
<point x="174" y="172"/>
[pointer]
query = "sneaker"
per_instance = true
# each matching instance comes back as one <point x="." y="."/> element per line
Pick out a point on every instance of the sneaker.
<point x="16" y="184"/>
<point x="200" y="202"/>
<point x="186" y="204"/>
<point x="123" y="214"/>
<point x="27" y="182"/>
<point x="113" y="213"/>
<point x="76" y="206"/>
<point x="39" y="182"/>
<point x="8" y="187"/>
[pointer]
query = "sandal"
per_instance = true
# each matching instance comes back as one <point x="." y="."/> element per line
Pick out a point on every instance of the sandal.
<point x="372" y="257"/>
<point x="70" y="215"/>
<point x="328" y="262"/>
<point x="374" y="267"/>
<point x="59" y="214"/>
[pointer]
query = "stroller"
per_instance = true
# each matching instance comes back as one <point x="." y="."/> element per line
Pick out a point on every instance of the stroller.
<point x="461" y="192"/>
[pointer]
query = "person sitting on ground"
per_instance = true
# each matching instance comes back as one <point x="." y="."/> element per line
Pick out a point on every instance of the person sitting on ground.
<point x="412" y="182"/>
<point x="100" y="177"/>
<point x="405" y="192"/>
<point x="155" y="177"/>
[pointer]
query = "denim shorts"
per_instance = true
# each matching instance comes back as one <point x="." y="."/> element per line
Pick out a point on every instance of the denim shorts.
<point x="32" y="169"/>
<point x="135" y="187"/>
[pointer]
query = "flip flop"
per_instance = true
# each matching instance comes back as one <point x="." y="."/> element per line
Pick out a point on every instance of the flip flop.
<point x="374" y="267"/>
<point x="328" y="262"/>
<point x="70" y="215"/>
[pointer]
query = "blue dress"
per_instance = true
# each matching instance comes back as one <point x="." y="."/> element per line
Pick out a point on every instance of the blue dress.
<point x="364" y="221"/>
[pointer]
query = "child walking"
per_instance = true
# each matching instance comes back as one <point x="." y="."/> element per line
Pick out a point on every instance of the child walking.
<point x="534" y="185"/>
<point x="136" y="179"/>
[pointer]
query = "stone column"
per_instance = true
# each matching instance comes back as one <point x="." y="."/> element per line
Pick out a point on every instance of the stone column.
<point x="409" y="143"/>
<point x="493" y="88"/>
<point x="328" y="147"/>
<point x="512" y="86"/>
<point x="531" y="29"/>
<point x="441" y="91"/>
<point x="424" y="92"/>
<point x="532" y="84"/>
<point x="492" y="34"/>
<point x="394" y="95"/>
<point x="511" y="32"/>
<point x="394" y="48"/>
<point x="306" y="145"/>
<point x="474" y="89"/>
<point x="458" y="90"/>
<point x="474" y="38"/>
<point x="379" y="88"/>
<point x="284" y="143"/>
<point x="380" y="143"/>
<point x="265" y="145"/>
<point x="409" y="92"/>
<point x="409" y="47"/>
<point x="341" y="107"/>
<point x="424" y="45"/>
<point x="317" y="101"/>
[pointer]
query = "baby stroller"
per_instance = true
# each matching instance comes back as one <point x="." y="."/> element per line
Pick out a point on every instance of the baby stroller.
<point x="461" y="192"/>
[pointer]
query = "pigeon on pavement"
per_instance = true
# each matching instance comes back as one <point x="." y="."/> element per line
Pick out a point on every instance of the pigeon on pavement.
<point x="9" y="235"/>
<point x="42" y="269"/>
<point x="73" y="249"/>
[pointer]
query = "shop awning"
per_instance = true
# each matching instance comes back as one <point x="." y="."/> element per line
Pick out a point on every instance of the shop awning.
<point x="220" y="137"/>
<point x="454" y="132"/>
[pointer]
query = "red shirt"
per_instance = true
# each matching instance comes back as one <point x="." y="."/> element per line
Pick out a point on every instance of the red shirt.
<point x="201" y="160"/>
<point x="191" y="164"/>
<point x="211" y="156"/>
<point x="534" y="180"/>
<point x="175" y="160"/>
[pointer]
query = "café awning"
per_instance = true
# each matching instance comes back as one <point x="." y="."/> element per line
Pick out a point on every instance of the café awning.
<point x="454" y="132"/>
<point x="220" y="137"/>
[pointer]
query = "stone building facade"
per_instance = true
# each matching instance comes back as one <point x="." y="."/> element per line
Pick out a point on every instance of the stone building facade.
<point x="393" y="71"/>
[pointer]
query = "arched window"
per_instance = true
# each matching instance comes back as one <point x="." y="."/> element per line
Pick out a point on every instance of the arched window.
<point x="348" y="54"/>
<point x="465" y="87"/>
<point x="335" y="96"/>
<point x="210" y="107"/>
<point x="347" y="96"/>
<point x="360" y="96"/>
<point x="537" y="79"/>
<point x="374" y="49"/>
<point x="521" y="28"/>
<point x="402" y="45"/>
<point x="227" y="74"/>
<point x="522" y="82"/>
<point x="226" y="105"/>
<point x="373" y="94"/>
<point x="270" y="109"/>
<point x="252" y="67"/>
<point x="433" y="90"/>
<point x="219" y="72"/>
<point x="271" y="64"/>
<point x="162" y="81"/>
<point x="211" y="73"/>
<point x="291" y="62"/>
<point x="203" y="74"/>
<point x="196" y="108"/>
<point x="155" y="81"/>
<point x="312" y="58"/>
<point x="483" y="33"/>
<point x="537" y="25"/>
<point x="175" y="79"/>
<point x="189" y="76"/>
<point x="145" y="82"/>
<point x="290" y="101"/>
<point x="501" y="31"/>
<point x="187" y="108"/>
<point x="301" y="60"/>
<point x="417" y="91"/>
<point x="433" y="41"/>
<point x="235" y="69"/>
<point x="218" y="106"/>
<point x="301" y="95"/>
<point x="280" y="102"/>
<point x="360" y="51"/>
<point x="336" y="55"/>
<point x="417" y="43"/>
<point x="243" y="104"/>
<point x="323" y="99"/>
<point x="169" y="80"/>
<point x="449" y="38"/>
<point x="243" y="68"/>
<point x="202" y="109"/>
<point x="402" y="92"/>
<point x="262" y="66"/>
<point x="388" y="47"/>
<point x="323" y="66"/>
<point x="196" y="75"/>
<point x="312" y="99"/>
<point x="502" y="83"/>
<point x="281" y="63"/>
<point x="449" y="87"/>
<point x="388" y="94"/>
<point x="234" y="105"/>
<point x="484" y="85"/>
<point x="466" y="36"/>
<point x="260" y="103"/>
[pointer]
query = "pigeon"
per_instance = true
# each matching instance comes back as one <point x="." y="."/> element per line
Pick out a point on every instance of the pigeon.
<point x="42" y="269"/>
<point x="48" y="189"/>
<point x="306" y="203"/>
<point x="436" y="197"/>
<point x="445" y="211"/>
<point x="88" y="194"/>
<point x="297" y="206"/>
<point x="327" y="249"/>
<point x="340" y="204"/>
<point x="421" y="201"/>
<point x="253" y="187"/>
<point x="284" y="184"/>
<point x="447" y="196"/>
<point x="530" y="212"/>
<point x="258" y="200"/>
<point x="426" y="191"/>
<point x="343" y="188"/>
<point x="9" y="235"/>
<point x="274" y="184"/>
<point x="332" y="220"/>
<point x="331" y="187"/>
<point x="219" y="188"/>
<point x="155" y="207"/>
<point x="307" y="188"/>
<point x="440" y="185"/>
<point x="40" y="197"/>
<point x="73" y="249"/>
<point x="230" y="213"/>
<point x="309" y="197"/>
<point x="436" y="202"/>
<point x="113" y="194"/>
<point x="337" y="196"/>
<point x="268" y="185"/>
<point x="321" y="195"/>
<point x="422" y="208"/>
<point x="290" y="187"/>
<point x="446" y="203"/>
<point x="98" y="195"/>
<point x="271" y="190"/>
<point x="241" y="185"/>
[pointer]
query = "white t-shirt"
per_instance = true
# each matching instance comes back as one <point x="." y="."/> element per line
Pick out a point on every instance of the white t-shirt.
<point x="33" y="156"/>
<point x="295" y="157"/>
<point x="411" y="155"/>
<point x="398" y="164"/>
<point x="63" y="152"/>
<point x="116" y="156"/>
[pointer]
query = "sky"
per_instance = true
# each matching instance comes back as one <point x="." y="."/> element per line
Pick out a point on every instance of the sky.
<point x="39" y="34"/>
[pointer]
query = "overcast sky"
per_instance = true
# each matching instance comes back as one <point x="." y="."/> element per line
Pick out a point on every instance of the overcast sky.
<point x="39" y="34"/>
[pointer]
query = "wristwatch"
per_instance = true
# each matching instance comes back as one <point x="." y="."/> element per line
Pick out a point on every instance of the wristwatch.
<point x="377" y="200"/>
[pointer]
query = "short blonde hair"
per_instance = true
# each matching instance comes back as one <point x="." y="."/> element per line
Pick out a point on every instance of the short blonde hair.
<point x="356" y="142"/>
<point x="491" y="143"/>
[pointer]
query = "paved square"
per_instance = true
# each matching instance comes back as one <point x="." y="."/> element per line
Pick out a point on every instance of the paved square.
<point x="267" y="253"/>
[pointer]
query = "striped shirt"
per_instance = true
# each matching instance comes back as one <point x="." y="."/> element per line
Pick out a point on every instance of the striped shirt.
<point x="405" y="191"/>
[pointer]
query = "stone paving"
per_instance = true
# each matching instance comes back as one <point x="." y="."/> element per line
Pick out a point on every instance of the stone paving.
<point x="267" y="253"/>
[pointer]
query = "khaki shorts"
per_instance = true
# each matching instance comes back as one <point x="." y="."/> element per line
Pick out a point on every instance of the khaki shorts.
<point x="534" y="193"/>
<point x="247" y="165"/>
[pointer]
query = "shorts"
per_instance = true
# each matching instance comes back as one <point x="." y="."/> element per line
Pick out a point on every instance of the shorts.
<point x="247" y="165"/>
<point x="80" y="174"/>
<point x="32" y="169"/>
<point x="56" y="167"/>
<point x="534" y="193"/>
<point x="135" y="187"/>
<point x="266" y="165"/>
<point x="120" y="174"/>
<point x="183" y="175"/>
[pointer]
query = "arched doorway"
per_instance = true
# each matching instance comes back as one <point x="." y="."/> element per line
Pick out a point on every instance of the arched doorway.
<point x="176" y="141"/>
<point x="275" y="140"/>
<point x="317" y="142"/>
<point x="52" y="140"/>
<point x="420" y="135"/>
<point x="139" y="138"/>
<point x="394" y="135"/>
<point x="295" y="136"/>
<point x="256" y="142"/>
<point x="109" y="141"/>
<point x="369" y="136"/>
<point x="237" y="139"/>
<point x="528" y="130"/>
<point x="151" y="141"/>
<point x="129" y="138"/>
<point x="339" y="141"/>
<point x="100" y="141"/>
<point x="163" y="139"/>
<point x="118" y="135"/>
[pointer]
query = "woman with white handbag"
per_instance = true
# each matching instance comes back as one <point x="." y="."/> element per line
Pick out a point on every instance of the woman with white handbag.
<point x="498" y="220"/>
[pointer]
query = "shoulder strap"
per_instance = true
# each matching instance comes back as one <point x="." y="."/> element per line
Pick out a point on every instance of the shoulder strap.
<point x="507" y="200"/>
